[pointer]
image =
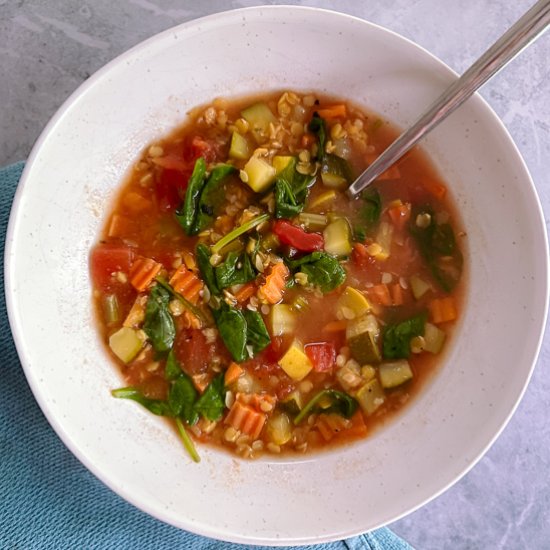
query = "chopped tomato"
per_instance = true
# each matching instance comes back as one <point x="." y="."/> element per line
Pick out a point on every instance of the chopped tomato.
<point x="274" y="351"/>
<point x="322" y="356"/>
<point x="171" y="186"/>
<point x="107" y="259"/>
<point x="200" y="147"/>
<point x="192" y="351"/>
<point x="296" y="237"/>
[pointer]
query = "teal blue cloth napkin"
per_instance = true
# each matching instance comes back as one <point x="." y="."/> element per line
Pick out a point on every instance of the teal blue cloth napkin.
<point x="49" y="500"/>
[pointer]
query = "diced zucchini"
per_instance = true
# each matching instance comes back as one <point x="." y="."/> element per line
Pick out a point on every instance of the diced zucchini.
<point x="362" y="336"/>
<point x="370" y="396"/>
<point x="279" y="428"/>
<point x="295" y="362"/>
<point x="125" y="343"/>
<point x="324" y="199"/>
<point x="335" y="172"/>
<point x="282" y="320"/>
<point x="384" y="240"/>
<point x="337" y="237"/>
<point x="293" y="402"/>
<point x="352" y="304"/>
<point x="281" y="162"/>
<point x="270" y="242"/>
<point x="260" y="174"/>
<point x="434" y="338"/>
<point x="419" y="286"/>
<point x="259" y="116"/>
<point x="239" y="148"/>
<point x="314" y="222"/>
<point x="394" y="374"/>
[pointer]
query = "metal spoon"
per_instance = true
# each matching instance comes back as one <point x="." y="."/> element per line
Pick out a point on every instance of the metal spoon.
<point x="511" y="43"/>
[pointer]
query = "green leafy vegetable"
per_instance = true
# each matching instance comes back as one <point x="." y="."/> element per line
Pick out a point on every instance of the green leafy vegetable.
<point x="172" y="368"/>
<point x="322" y="270"/>
<point x="291" y="191"/>
<point x="182" y="397"/>
<point x="256" y="331"/>
<point x="206" y="269"/>
<point x="235" y="270"/>
<point x="211" y="197"/>
<point x="233" y="331"/>
<point x="187" y="441"/>
<point x="212" y="402"/>
<point x="156" y="406"/>
<point x="397" y="338"/>
<point x="237" y="232"/>
<point x="187" y="213"/>
<point x="437" y="245"/>
<point x="318" y="127"/>
<point x="329" y="401"/>
<point x="188" y="305"/>
<point x="369" y="214"/>
<point x="159" y="325"/>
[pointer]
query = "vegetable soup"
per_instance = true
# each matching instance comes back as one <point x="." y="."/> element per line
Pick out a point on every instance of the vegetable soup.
<point x="245" y="297"/>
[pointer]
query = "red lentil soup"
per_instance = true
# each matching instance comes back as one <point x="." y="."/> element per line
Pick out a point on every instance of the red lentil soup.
<point x="244" y="296"/>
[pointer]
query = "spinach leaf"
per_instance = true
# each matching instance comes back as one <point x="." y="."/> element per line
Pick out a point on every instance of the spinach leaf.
<point x="437" y="245"/>
<point x="256" y="331"/>
<point x="229" y="273"/>
<point x="371" y="209"/>
<point x="322" y="270"/>
<point x="172" y="368"/>
<point x="159" y="325"/>
<point x="182" y="397"/>
<point x="291" y="191"/>
<point x="206" y="269"/>
<point x="212" y="402"/>
<point x="187" y="212"/>
<point x="397" y="338"/>
<point x="233" y="331"/>
<point x="156" y="406"/>
<point x="211" y="197"/>
<point x="318" y="126"/>
<point x="329" y="401"/>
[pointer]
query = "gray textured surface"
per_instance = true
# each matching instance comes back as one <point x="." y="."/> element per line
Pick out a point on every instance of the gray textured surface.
<point x="49" y="47"/>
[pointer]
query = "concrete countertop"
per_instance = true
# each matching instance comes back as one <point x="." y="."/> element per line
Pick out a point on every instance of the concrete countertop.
<point x="48" y="47"/>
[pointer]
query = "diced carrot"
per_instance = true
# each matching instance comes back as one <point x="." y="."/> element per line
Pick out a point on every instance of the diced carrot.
<point x="245" y="292"/>
<point x="143" y="271"/>
<point x="171" y="162"/>
<point x="233" y="372"/>
<point x="380" y="294"/>
<point x="442" y="310"/>
<point x="186" y="283"/>
<point x="245" y="419"/>
<point x="400" y="214"/>
<point x="261" y="402"/>
<point x="335" y="326"/>
<point x="273" y="288"/>
<point x="358" y="427"/>
<point x="120" y="226"/>
<point x="332" y="111"/>
<point x="136" y="203"/>
<point x="396" y="294"/>
<point x="437" y="189"/>
<point x="330" y="425"/>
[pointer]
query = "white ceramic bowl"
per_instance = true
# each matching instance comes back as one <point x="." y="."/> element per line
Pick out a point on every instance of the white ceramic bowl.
<point x="67" y="185"/>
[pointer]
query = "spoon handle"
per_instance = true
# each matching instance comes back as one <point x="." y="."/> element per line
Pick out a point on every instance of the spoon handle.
<point x="511" y="43"/>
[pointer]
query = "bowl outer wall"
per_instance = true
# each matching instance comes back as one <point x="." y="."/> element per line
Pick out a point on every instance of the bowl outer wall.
<point x="73" y="173"/>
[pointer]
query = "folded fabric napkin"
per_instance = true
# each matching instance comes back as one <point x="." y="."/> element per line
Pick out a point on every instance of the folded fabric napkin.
<point x="49" y="500"/>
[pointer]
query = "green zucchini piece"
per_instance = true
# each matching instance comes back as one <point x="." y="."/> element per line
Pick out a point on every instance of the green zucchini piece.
<point x="239" y="148"/>
<point x="337" y="237"/>
<point x="370" y="396"/>
<point x="362" y="336"/>
<point x="395" y="373"/>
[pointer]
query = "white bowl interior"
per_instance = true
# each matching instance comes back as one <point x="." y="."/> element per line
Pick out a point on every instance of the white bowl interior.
<point x="67" y="186"/>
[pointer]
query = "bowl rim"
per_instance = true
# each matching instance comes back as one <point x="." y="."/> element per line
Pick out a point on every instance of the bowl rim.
<point x="16" y="209"/>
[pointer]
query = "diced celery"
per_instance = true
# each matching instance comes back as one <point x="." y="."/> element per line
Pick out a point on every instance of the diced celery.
<point x="362" y="336"/>
<point x="419" y="286"/>
<point x="239" y="148"/>
<point x="281" y="162"/>
<point x="370" y="396"/>
<point x="395" y="373"/>
<point x="313" y="221"/>
<point x="279" y="428"/>
<point x="260" y="174"/>
<point x="111" y="312"/>
<point x="282" y="320"/>
<point x="434" y="338"/>
<point x="295" y="362"/>
<point x="352" y="304"/>
<point x="337" y="237"/>
<point x="125" y="343"/>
